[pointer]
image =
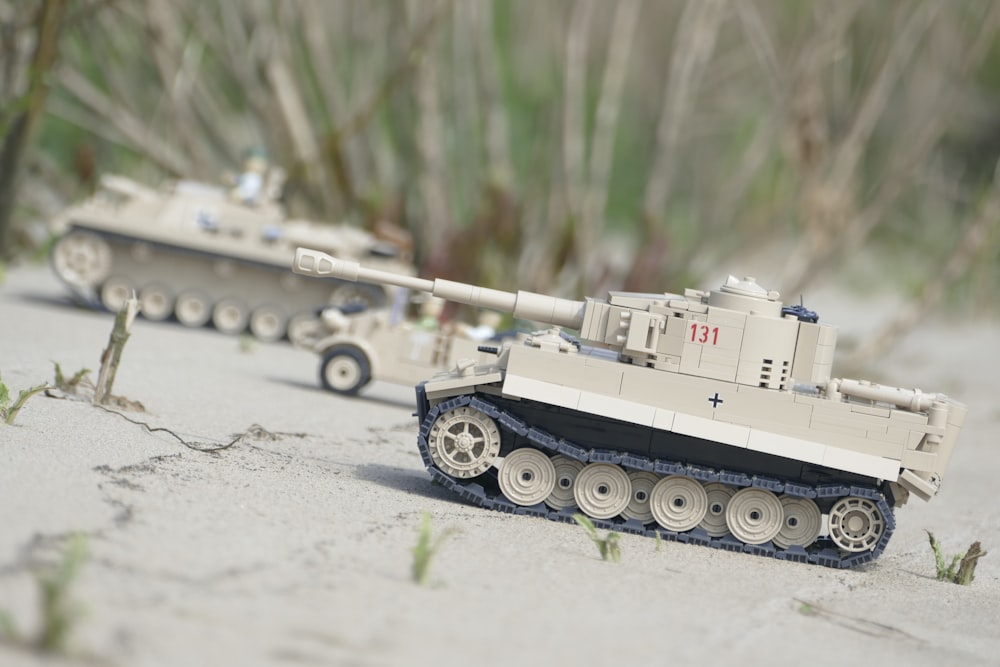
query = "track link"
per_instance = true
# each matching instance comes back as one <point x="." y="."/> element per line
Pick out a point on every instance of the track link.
<point x="822" y="552"/>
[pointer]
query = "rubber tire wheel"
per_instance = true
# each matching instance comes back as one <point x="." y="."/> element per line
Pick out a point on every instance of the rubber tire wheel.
<point x="352" y="357"/>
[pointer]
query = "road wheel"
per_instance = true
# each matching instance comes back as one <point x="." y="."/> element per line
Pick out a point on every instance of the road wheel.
<point x="193" y="308"/>
<point x="268" y="323"/>
<point x="114" y="292"/>
<point x="230" y="316"/>
<point x="156" y="302"/>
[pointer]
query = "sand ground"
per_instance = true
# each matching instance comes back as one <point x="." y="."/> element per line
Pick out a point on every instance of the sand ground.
<point x="292" y="546"/>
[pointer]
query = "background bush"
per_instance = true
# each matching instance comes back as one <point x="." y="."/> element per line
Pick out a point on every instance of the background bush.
<point x="565" y="146"/>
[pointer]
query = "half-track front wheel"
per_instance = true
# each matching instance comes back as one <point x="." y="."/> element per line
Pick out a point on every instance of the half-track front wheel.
<point x="527" y="477"/>
<point x="82" y="259"/>
<point x="464" y="442"/>
<point x="856" y="524"/>
<point x="345" y="370"/>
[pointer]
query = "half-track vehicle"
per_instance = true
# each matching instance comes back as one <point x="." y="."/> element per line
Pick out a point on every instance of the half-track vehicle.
<point x="710" y="417"/>
<point x="357" y="346"/>
<point x="192" y="251"/>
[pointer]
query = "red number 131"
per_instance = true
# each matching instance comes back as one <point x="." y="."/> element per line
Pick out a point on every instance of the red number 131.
<point x="700" y="333"/>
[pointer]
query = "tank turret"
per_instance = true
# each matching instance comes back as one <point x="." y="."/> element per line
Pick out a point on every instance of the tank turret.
<point x="746" y="339"/>
<point x="709" y="417"/>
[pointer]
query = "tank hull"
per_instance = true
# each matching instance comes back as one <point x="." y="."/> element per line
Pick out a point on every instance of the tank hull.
<point x="253" y="281"/>
<point x="788" y="449"/>
<point x="485" y="491"/>
<point x="192" y="254"/>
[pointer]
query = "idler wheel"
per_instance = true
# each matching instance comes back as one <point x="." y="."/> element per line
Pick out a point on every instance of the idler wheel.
<point x="82" y="259"/>
<point x="527" y="477"/>
<point x="642" y="489"/>
<point x="754" y="516"/>
<point x="602" y="490"/>
<point x="856" y="524"/>
<point x="678" y="503"/>
<point x="801" y="524"/>
<point x="567" y="470"/>
<point x="464" y="442"/>
<point x="718" y="496"/>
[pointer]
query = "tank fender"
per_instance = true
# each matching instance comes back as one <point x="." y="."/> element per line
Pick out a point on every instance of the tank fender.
<point x="374" y="363"/>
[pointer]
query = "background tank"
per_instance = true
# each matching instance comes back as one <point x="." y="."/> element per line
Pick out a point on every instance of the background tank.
<point x="709" y="417"/>
<point x="199" y="253"/>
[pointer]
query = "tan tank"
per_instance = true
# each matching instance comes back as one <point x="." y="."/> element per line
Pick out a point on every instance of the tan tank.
<point x="202" y="254"/>
<point x="710" y="417"/>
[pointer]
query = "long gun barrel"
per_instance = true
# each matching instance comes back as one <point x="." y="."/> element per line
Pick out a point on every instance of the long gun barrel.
<point x="526" y="305"/>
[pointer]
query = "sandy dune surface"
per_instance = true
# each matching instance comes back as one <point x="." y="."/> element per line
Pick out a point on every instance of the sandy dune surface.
<point x="292" y="546"/>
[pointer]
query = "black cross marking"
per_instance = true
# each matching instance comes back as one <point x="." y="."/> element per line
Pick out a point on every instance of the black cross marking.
<point x="715" y="400"/>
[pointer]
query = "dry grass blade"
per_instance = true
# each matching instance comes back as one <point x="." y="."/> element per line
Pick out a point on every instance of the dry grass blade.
<point x="574" y="103"/>
<point x="112" y="354"/>
<point x="693" y="48"/>
<point x="832" y="200"/>
<point x="499" y="164"/>
<point x="605" y="128"/>
<point x="977" y="239"/>
<point x="132" y="130"/>
<point x="855" y="623"/>
<point x="430" y="146"/>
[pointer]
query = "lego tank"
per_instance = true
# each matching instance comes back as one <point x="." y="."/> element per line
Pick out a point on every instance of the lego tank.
<point x="710" y="417"/>
<point x="197" y="253"/>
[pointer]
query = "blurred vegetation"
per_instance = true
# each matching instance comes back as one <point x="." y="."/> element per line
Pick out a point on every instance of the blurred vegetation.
<point x="566" y="146"/>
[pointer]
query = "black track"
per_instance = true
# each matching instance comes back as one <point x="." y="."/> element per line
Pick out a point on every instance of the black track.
<point x="822" y="552"/>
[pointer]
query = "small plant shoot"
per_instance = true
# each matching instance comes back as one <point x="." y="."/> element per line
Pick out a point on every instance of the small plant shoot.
<point x="607" y="545"/>
<point x="960" y="568"/>
<point x="425" y="548"/>
<point x="59" y="613"/>
<point x="8" y="410"/>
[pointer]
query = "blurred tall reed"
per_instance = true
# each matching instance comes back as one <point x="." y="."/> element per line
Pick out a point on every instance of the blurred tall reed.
<point x="565" y="146"/>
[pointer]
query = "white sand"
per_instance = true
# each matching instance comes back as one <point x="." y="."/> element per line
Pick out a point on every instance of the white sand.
<point x="297" y="550"/>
